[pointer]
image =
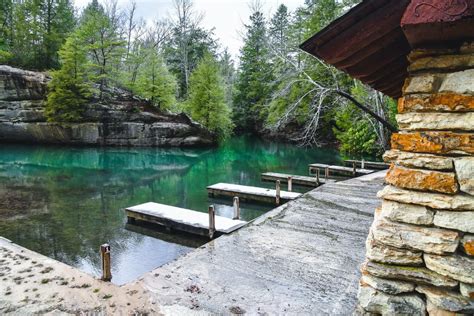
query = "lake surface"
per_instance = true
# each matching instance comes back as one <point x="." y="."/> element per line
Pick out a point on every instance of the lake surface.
<point x="64" y="202"/>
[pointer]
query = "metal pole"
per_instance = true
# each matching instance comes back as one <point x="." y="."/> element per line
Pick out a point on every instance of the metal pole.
<point x="277" y="193"/>
<point x="212" y="221"/>
<point x="236" y="208"/>
<point x="105" y="255"/>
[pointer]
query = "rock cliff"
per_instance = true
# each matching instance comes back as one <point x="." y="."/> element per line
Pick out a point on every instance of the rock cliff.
<point x="124" y="120"/>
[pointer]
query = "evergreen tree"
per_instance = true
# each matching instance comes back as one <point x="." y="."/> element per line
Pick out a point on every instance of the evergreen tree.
<point x="100" y="34"/>
<point x="206" y="103"/>
<point x="155" y="81"/>
<point x="255" y="77"/>
<point x="70" y="88"/>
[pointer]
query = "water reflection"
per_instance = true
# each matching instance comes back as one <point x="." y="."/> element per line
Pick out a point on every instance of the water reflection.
<point x="64" y="202"/>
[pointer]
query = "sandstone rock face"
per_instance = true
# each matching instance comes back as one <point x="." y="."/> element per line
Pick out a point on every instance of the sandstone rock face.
<point x="423" y="161"/>
<point x="424" y="180"/>
<point x="435" y="142"/>
<point x="418" y="275"/>
<point x="463" y="221"/>
<point x="465" y="173"/>
<point x="461" y="82"/>
<point x="455" y="266"/>
<point x="123" y="121"/>
<point x="447" y="300"/>
<point x="436" y="121"/>
<point x="427" y="239"/>
<point x="388" y="286"/>
<point x="448" y="102"/>
<point x="459" y="202"/>
<point x="374" y="301"/>
<point x="467" y="245"/>
<point x="407" y="213"/>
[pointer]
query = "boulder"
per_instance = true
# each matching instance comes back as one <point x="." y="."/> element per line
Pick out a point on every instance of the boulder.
<point x="467" y="290"/>
<point x="385" y="254"/>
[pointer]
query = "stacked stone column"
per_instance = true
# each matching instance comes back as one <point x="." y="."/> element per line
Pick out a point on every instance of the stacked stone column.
<point x="420" y="249"/>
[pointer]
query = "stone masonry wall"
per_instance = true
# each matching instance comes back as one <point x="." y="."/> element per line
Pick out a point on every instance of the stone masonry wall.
<point x="420" y="249"/>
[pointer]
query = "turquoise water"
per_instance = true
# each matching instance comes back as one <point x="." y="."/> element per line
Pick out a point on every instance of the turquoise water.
<point x="64" y="202"/>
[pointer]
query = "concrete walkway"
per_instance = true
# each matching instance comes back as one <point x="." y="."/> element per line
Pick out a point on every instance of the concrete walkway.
<point x="301" y="258"/>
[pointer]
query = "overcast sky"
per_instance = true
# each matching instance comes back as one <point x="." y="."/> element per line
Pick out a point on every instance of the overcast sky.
<point x="226" y="16"/>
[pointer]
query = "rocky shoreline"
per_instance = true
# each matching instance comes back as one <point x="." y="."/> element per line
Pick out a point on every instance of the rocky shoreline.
<point x="124" y="121"/>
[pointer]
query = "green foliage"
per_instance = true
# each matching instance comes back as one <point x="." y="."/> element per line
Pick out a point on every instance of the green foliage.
<point x="155" y="82"/>
<point x="69" y="89"/>
<point x="206" y="103"/>
<point x="253" y="85"/>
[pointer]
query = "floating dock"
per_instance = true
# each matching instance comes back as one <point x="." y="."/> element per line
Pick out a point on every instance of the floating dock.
<point x="296" y="179"/>
<point x="181" y="219"/>
<point x="338" y="170"/>
<point x="367" y="164"/>
<point x="248" y="193"/>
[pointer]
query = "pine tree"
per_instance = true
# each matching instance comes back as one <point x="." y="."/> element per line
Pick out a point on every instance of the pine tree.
<point x="70" y="89"/>
<point x="255" y="77"/>
<point x="206" y="103"/>
<point x="155" y="81"/>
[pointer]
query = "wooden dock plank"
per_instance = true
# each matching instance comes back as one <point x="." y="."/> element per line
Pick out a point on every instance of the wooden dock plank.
<point x="250" y="193"/>
<point x="367" y="164"/>
<point x="181" y="219"/>
<point x="296" y="179"/>
<point x="349" y="171"/>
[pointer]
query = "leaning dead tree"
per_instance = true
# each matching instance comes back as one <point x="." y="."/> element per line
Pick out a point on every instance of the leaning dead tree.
<point x="323" y="97"/>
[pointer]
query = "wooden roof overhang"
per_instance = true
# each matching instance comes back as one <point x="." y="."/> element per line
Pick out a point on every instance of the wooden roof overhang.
<point x="372" y="40"/>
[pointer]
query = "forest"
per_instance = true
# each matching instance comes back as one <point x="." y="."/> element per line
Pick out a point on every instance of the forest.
<point x="273" y="90"/>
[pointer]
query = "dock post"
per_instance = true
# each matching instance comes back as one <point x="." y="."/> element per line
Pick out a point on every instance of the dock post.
<point x="277" y="191"/>
<point x="326" y="174"/>
<point x="212" y="221"/>
<point x="290" y="184"/>
<point x="236" y="208"/>
<point x="105" y="255"/>
<point x="317" y="177"/>
<point x="362" y="165"/>
<point x="354" y="168"/>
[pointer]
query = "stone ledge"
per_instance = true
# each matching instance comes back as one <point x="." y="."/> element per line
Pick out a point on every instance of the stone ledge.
<point x="454" y="266"/>
<point x="381" y="253"/>
<point x="467" y="245"/>
<point x="459" y="202"/>
<point x="436" y="121"/>
<point x="463" y="221"/>
<point x="442" y="63"/>
<point x="449" y="102"/>
<point x="426" y="239"/>
<point x="434" y="142"/>
<point x="447" y="300"/>
<point x="387" y="286"/>
<point x="465" y="173"/>
<point x="461" y="82"/>
<point x="414" y="160"/>
<point x="407" y="213"/>
<point x="374" y="301"/>
<point x="424" y="180"/>
<point x="419" y="275"/>
<point x="422" y="84"/>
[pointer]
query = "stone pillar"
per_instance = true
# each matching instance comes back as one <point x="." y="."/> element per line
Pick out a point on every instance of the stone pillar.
<point x="420" y="249"/>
